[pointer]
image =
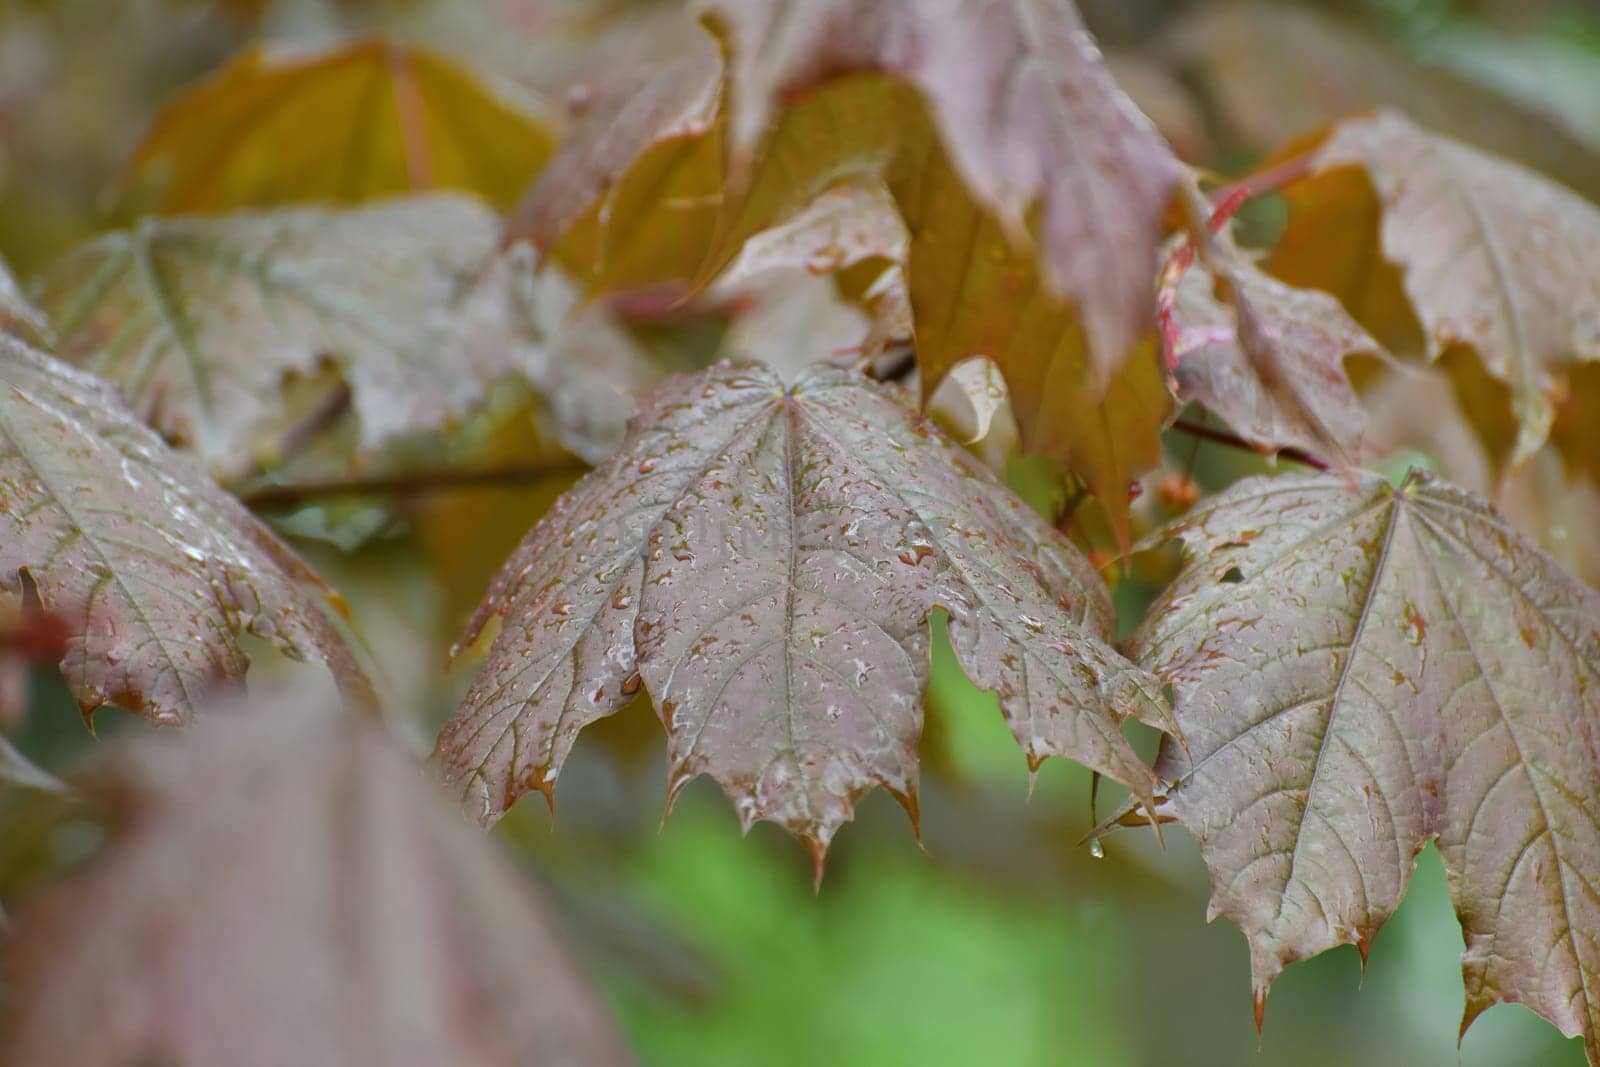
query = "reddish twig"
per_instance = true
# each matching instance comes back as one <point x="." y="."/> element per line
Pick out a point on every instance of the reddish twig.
<point x="410" y="483"/>
<point x="1223" y="437"/>
<point x="1267" y="180"/>
<point x="1220" y="209"/>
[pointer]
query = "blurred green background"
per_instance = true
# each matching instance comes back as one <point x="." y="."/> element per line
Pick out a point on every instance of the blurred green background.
<point x="1001" y="939"/>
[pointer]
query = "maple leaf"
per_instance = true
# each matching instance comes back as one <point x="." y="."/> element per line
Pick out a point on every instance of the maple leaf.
<point x="1033" y="191"/>
<point x="154" y="569"/>
<point x="642" y="172"/>
<point x="290" y="863"/>
<point x="1359" y="669"/>
<point x="361" y="120"/>
<point x="1269" y="358"/>
<point x="1491" y="255"/>
<point x="1554" y="500"/>
<point x="1027" y="112"/>
<point x="763" y="559"/>
<point x="201" y="321"/>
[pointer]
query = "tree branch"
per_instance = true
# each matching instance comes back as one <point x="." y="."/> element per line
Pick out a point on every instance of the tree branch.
<point x="1228" y="198"/>
<point x="1223" y="437"/>
<point x="410" y="483"/>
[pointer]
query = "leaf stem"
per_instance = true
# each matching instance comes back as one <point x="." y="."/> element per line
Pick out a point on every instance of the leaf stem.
<point x="1223" y="437"/>
<point x="324" y="414"/>
<point x="1207" y="216"/>
<point x="1228" y="198"/>
<point x="410" y="483"/>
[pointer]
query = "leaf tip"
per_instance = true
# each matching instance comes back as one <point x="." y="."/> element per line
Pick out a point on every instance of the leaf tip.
<point x="1363" y="945"/>
<point x="819" y="860"/>
<point x="912" y="806"/>
<point x="680" y="776"/>
<point x="545" y="786"/>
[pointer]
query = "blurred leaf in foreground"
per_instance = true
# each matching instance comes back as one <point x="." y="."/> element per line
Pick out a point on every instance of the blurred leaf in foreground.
<point x="283" y="887"/>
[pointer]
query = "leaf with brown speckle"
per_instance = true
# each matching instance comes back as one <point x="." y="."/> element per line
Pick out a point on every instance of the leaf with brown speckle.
<point x="154" y="570"/>
<point x="1269" y="359"/>
<point x="762" y="560"/>
<point x="1360" y="669"/>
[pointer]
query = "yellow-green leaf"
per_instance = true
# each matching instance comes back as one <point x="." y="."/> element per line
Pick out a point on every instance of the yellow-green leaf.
<point x="366" y="119"/>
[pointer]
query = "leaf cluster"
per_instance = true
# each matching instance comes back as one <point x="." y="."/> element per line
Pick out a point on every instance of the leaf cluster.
<point x="923" y="238"/>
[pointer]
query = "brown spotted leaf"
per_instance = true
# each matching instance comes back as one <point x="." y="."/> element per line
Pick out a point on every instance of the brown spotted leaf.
<point x="283" y="886"/>
<point x="763" y="559"/>
<point x="359" y="121"/>
<point x="1492" y="257"/>
<point x="1269" y="359"/>
<point x="201" y="322"/>
<point x="155" y="571"/>
<point x="1359" y="669"/>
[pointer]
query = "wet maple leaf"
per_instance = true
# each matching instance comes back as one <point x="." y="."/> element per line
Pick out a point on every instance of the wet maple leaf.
<point x="292" y="863"/>
<point x="1269" y="359"/>
<point x="202" y="321"/>
<point x="154" y="570"/>
<point x="763" y="559"/>
<point x="1359" y="669"/>
<point x="1492" y="257"/>
<point x="355" y="122"/>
